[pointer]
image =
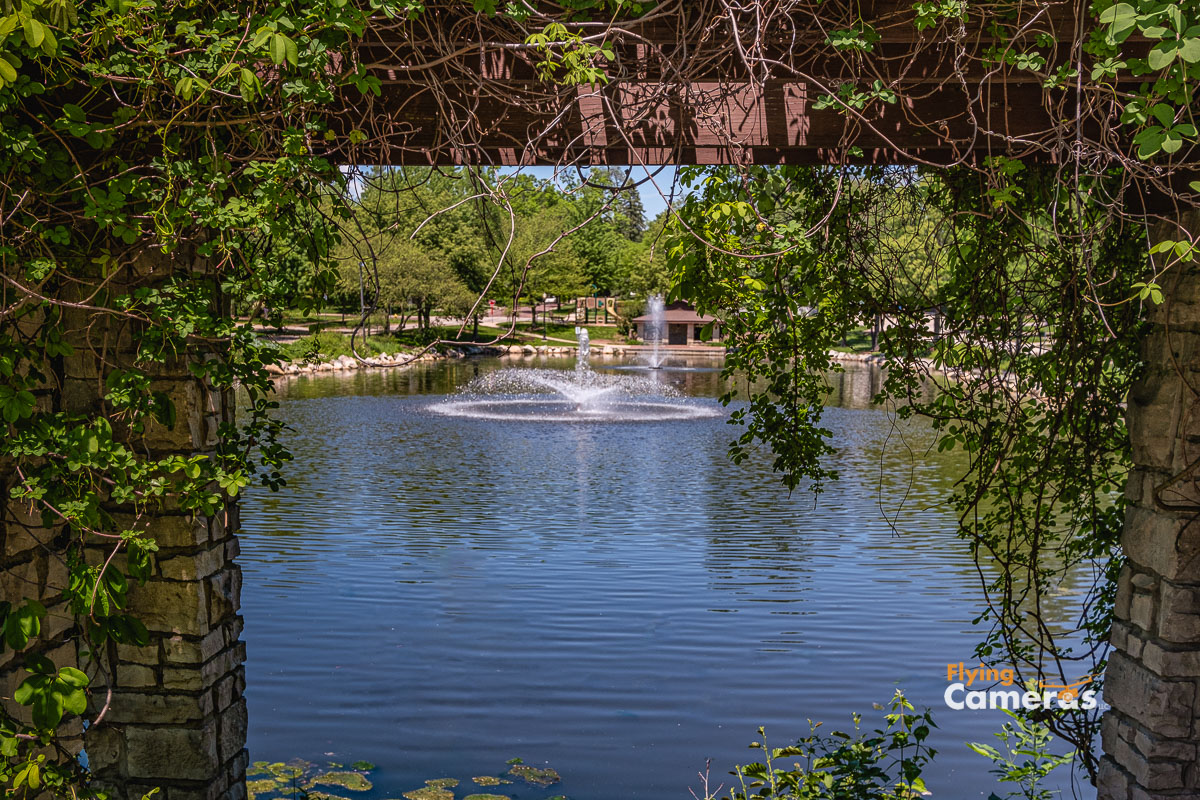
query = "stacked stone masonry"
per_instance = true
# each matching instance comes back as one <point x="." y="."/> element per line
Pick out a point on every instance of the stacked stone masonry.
<point x="176" y="719"/>
<point x="1151" y="733"/>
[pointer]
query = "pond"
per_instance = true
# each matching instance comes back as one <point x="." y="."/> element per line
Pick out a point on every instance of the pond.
<point x="440" y="594"/>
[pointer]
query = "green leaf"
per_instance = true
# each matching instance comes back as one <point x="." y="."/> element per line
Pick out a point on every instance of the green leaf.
<point x="7" y="73"/>
<point x="1162" y="55"/>
<point x="1120" y="19"/>
<point x="35" y="32"/>
<point x="73" y="677"/>
<point x="47" y="707"/>
<point x="1164" y="114"/>
<point x="279" y="48"/>
<point x="39" y="664"/>
<point x="1189" y="50"/>
<point x="73" y="701"/>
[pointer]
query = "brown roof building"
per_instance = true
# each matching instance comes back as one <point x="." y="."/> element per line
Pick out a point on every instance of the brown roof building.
<point x="680" y="325"/>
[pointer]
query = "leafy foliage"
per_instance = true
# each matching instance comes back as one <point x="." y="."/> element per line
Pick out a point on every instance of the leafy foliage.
<point x="989" y="297"/>
<point x="884" y="764"/>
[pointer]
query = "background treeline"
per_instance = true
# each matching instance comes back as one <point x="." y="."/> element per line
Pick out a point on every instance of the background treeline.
<point x="427" y="242"/>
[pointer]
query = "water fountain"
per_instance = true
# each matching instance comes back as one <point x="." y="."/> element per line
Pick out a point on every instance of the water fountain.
<point x="579" y="395"/>
<point x="654" y="330"/>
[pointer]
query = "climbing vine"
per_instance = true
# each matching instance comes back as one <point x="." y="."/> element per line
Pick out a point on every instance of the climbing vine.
<point x="156" y="154"/>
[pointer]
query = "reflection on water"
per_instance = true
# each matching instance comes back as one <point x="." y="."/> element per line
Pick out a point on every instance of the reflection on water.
<point x="438" y="594"/>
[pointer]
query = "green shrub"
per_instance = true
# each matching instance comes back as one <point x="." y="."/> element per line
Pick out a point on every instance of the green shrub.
<point x="885" y="764"/>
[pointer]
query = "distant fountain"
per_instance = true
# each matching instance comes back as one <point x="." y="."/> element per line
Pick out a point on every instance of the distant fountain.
<point x="579" y="395"/>
<point x="585" y="349"/>
<point x="654" y="330"/>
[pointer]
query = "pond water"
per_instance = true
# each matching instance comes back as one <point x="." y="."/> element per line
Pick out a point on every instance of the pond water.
<point x="438" y="594"/>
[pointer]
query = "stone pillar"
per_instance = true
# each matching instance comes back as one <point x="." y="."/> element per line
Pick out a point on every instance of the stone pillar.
<point x="1152" y="733"/>
<point x="176" y="717"/>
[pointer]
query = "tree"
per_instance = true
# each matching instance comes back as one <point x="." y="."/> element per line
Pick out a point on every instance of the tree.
<point x="1034" y="361"/>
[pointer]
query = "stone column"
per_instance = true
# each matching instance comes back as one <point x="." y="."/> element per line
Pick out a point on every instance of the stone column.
<point x="176" y="717"/>
<point x="1151" y="734"/>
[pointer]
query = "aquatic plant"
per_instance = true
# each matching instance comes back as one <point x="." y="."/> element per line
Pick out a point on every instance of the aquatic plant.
<point x="538" y="776"/>
<point x="354" y="781"/>
<point x="430" y="793"/>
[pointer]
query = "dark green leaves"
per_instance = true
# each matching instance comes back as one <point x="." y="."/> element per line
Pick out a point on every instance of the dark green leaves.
<point x="283" y="48"/>
<point x="22" y="624"/>
<point x="51" y="693"/>
<point x="15" y="404"/>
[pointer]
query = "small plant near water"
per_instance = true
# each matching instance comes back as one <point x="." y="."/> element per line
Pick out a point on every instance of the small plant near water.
<point x="885" y="764"/>
<point x="1025" y="760"/>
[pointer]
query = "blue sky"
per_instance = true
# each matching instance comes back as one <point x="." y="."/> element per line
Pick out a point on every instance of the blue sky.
<point x="653" y="193"/>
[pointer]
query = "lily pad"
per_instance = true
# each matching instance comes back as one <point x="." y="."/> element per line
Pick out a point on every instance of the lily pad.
<point x="430" y="793"/>
<point x="365" y="766"/>
<point x="490" y="780"/>
<point x="442" y="783"/>
<point x="487" y="797"/>
<point x="255" y="788"/>
<point x="354" y="781"/>
<point x="290" y="770"/>
<point x="538" y="776"/>
<point x="259" y="768"/>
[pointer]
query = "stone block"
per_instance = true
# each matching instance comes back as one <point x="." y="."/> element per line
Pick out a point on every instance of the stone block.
<point x="1184" y="751"/>
<point x="132" y="654"/>
<point x="20" y="539"/>
<point x="173" y="753"/>
<point x="1171" y="663"/>
<point x="1162" y="706"/>
<point x="105" y="748"/>
<point x="1143" y="582"/>
<point x="225" y="663"/>
<point x="1179" y="614"/>
<point x="183" y="679"/>
<point x="183" y="650"/>
<point x="135" y="676"/>
<point x="20" y="581"/>
<point x="233" y="730"/>
<point x="225" y="597"/>
<point x="1141" y="611"/>
<point x="187" y="435"/>
<point x="171" y="607"/>
<point x="58" y="621"/>
<point x="1162" y="543"/>
<point x="169" y="531"/>
<point x="192" y="566"/>
<point x="136" y="708"/>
